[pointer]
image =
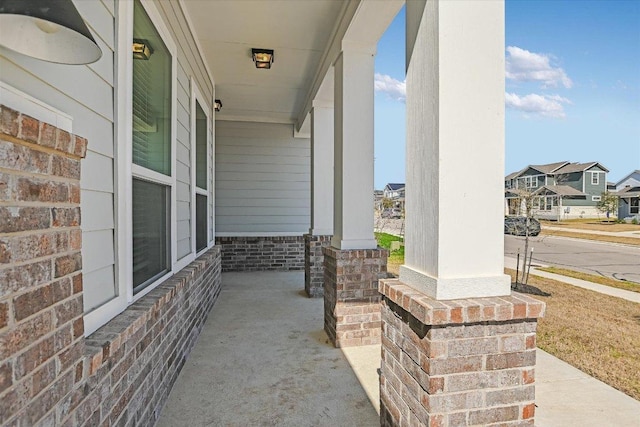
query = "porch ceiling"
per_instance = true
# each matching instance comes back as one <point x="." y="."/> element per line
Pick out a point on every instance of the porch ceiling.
<point x="298" y="31"/>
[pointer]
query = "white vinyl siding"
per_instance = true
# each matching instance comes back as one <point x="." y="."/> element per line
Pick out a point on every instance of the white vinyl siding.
<point x="183" y="155"/>
<point x="189" y="65"/>
<point x="86" y="94"/>
<point x="262" y="180"/>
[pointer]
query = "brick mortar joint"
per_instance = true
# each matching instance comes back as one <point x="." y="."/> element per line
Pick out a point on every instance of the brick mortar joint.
<point x="19" y="173"/>
<point x="37" y="147"/>
<point x="6" y="116"/>
<point x="340" y="254"/>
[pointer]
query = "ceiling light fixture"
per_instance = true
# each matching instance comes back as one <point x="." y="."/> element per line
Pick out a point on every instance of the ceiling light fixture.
<point x="52" y="31"/>
<point x="263" y="58"/>
<point x="217" y="105"/>
<point x="142" y="49"/>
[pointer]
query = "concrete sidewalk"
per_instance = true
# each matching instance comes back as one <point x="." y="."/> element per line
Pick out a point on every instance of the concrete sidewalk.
<point x="635" y="234"/>
<point x="607" y="290"/>
<point x="264" y="359"/>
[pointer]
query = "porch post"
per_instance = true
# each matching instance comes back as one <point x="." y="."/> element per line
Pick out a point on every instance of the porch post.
<point x="453" y="352"/>
<point x="321" y="197"/>
<point x="353" y="263"/>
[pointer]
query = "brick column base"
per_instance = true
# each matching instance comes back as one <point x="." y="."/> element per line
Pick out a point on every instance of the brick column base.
<point x="457" y="362"/>
<point x="314" y="264"/>
<point x="351" y="297"/>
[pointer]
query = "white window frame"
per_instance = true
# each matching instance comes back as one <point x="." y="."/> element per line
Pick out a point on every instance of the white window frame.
<point x="528" y="181"/>
<point x="595" y="176"/>
<point x="634" y="209"/>
<point x="197" y="97"/>
<point x="596" y="198"/>
<point x="126" y="170"/>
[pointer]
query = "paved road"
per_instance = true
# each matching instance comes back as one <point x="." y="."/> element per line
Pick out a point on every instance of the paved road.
<point x="610" y="260"/>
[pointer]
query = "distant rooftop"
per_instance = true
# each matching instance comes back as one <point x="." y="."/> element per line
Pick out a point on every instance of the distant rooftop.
<point x="394" y="186"/>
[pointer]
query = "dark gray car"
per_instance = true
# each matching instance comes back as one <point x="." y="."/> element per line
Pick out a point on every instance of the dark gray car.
<point x="517" y="225"/>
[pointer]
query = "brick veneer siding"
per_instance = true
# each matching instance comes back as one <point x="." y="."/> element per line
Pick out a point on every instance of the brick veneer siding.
<point x="459" y="362"/>
<point x="314" y="264"/>
<point x="270" y="253"/>
<point x="50" y="374"/>
<point x="40" y="266"/>
<point x="351" y="297"/>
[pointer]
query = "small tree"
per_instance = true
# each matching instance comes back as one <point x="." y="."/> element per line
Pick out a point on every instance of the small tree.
<point x="608" y="203"/>
<point x="526" y="198"/>
<point x="387" y="203"/>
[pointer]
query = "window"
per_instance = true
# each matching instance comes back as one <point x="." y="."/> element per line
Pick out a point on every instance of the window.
<point x="528" y="181"/>
<point x="536" y="202"/>
<point x="595" y="178"/>
<point x="596" y="198"/>
<point x="634" y="207"/>
<point x="151" y="155"/>
<point x="200" y="158"/>
<point x="144" y="150"/>
<point x="546" y="203"/>
<point x="549" y="200"/>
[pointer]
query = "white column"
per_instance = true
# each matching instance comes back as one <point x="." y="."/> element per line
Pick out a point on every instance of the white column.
<point x="455" y="149"/>
<point x="353" y="156"/>
<point x="321" y="168"/>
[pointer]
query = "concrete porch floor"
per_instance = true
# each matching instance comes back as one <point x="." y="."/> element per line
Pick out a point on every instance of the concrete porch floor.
<point x="263" y="359"/>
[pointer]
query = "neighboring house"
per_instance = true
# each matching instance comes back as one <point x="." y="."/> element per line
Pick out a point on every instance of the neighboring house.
<point x="395" y="193"/>
<point x="392" y="191"/>
<point x="560" y="190"/>
<point x="628" y="189"/>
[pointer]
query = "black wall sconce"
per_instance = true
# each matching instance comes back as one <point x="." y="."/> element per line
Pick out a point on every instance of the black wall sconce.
<point x="217" y="105"/>
<point x="142" y="49"/>
<point x="50" y="30"/>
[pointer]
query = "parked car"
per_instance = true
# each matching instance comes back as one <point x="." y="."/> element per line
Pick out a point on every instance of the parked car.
<point x="517" y="225"/>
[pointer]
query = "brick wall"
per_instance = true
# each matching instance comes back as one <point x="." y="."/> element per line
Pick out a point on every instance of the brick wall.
<point x="271" y="253"/>
<point x="132" y="362"/>
<point x="351" y="297"/>
<point x="314" y="264"/>
<point x="459" y="362"/>
<point x="50" y="374"/>
<point x="40" y="265"/>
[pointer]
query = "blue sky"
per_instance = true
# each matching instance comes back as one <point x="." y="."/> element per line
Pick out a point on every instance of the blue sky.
<point x="572" y="87"/>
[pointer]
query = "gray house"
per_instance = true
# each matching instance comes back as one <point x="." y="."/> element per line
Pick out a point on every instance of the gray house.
<point x="562" y="190"/>
<point x="628" y="189"/>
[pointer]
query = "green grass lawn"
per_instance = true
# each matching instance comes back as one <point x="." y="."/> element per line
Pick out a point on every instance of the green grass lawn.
<point x="396" y="258"/>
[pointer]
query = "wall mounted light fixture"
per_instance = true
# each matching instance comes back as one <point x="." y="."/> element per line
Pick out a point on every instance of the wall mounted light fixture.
<point x="263" y="58"/>
<point x="217" y="105"/>
<point x="142" y="49"/>
<point x="49" y="30"/>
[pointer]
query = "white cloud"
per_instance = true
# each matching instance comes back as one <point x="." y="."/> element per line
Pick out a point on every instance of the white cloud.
<point x="395" y="89"/>
<point x="522" y="65"/>
<point x="538" y="105"/>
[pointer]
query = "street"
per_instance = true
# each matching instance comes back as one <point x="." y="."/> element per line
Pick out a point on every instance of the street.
<point x="604" y="259"/>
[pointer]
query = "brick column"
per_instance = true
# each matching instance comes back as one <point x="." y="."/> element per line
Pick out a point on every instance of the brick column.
<point x="41" y="325"/>
<point x="314" y="264"/>
<point x="457" y="362"/>
<point x="351" y="297"/>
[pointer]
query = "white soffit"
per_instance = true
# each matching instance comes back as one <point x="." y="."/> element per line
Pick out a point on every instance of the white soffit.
<point x="298" y="31"/>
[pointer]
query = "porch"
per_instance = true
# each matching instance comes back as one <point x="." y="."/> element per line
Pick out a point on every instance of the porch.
<point x="264" y="359"/>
